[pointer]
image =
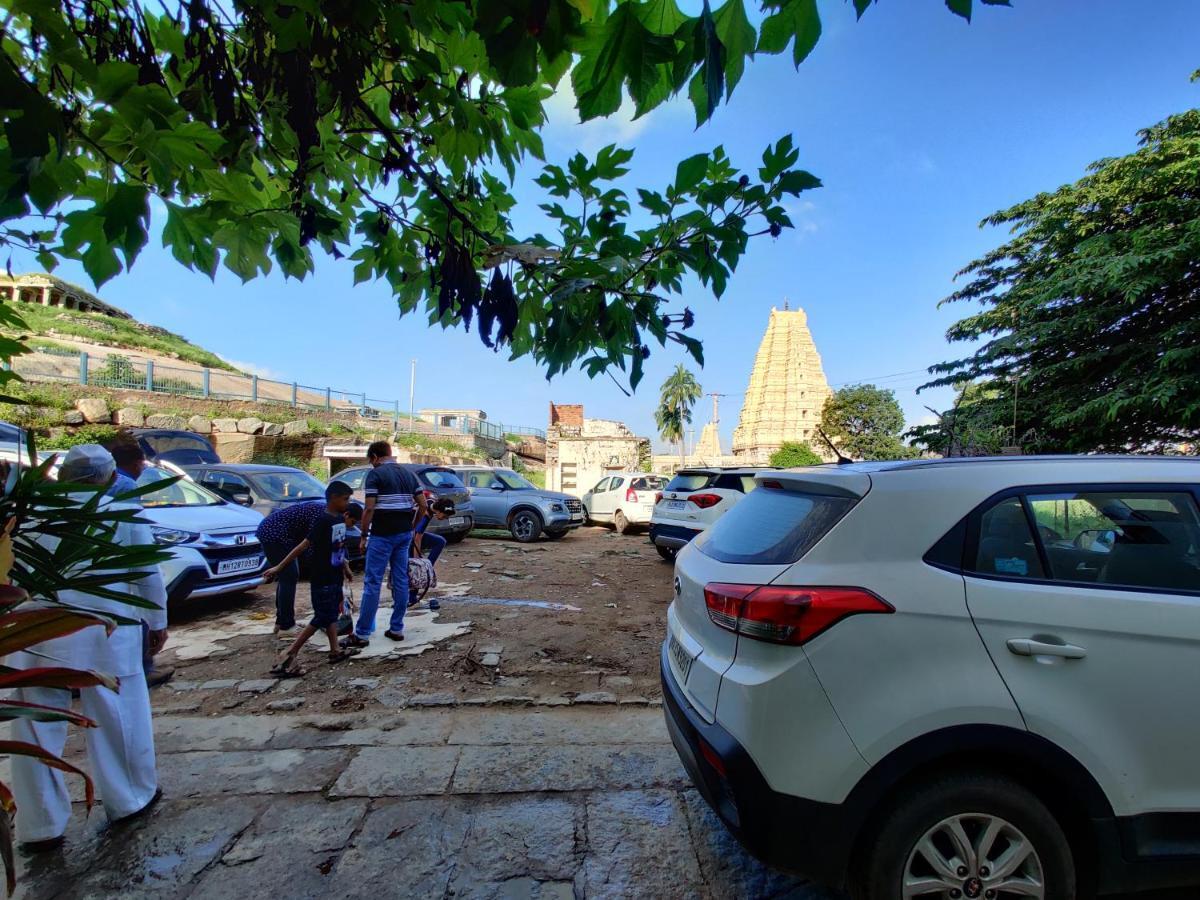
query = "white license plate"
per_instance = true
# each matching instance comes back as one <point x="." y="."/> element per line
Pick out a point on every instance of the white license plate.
<point x="683" y="659"/>
<point x="577" y="517"/>
<point x="675" y="504"/>
<point x="457" y="520"/>
<point x="245" y="564"/>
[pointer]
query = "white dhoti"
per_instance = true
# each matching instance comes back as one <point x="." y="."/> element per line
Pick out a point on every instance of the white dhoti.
<point x="120" y="748"/>
<point x="120" y="751"/>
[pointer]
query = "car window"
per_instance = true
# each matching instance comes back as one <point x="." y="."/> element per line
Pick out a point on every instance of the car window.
<point x="512" y="480"/>
<point x="616" y="483"/>
<point x="773" y="527"/>
<point x="441" y="478"/>
<point x="686" y="482"/>
<point x="181" y="493"/>
<point x="601" y="486"/>
<point x="1006" y="544"/>
<point x="1121" y="538"/>
<point x="166" y="443"/>
<point x="482" y="479"/>
<point x="748" y="483"/>
<point x="354" y="478"/>
<point x="225" y="482"/>
<point x="648" y="483"/>
<point x="295" y="485"/>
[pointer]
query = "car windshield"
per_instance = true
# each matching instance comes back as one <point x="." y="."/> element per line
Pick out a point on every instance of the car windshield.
<point x="647" y="483"/>
<point x="181" y="493"/>
<point x="689" y="481"/>
<point x="512" y="480"/>
<point x="441" y="478"/>
<point x="166" y="443"/>
<point x="294" y="485"/>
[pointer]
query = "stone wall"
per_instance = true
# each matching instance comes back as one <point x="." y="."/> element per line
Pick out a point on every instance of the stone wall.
<point x="575" y="464"/>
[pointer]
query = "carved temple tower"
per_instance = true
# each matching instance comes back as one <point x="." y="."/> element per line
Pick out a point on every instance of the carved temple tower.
<point x="787" y="390"/>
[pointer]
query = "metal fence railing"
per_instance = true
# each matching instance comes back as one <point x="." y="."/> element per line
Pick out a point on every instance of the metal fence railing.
<point x="136" y="374"/>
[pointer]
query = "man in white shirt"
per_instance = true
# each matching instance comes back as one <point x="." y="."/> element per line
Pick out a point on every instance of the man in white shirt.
<point x="121" y="748"/>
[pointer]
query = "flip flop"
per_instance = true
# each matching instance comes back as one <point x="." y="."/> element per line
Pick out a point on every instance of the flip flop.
<point x="287" y="669"/>
<point x="341" y="656"/>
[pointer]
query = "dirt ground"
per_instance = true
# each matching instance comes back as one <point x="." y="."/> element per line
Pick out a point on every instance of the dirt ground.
<point x="599" y="645"/>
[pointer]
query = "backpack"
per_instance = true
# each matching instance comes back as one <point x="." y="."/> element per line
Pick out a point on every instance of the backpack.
<point x="421" y="578"/>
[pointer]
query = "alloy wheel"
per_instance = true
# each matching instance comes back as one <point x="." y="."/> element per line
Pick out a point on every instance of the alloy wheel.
<point x="974" y="855"/>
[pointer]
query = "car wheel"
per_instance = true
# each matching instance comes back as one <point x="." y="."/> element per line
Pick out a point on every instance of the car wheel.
<point x="966" y="835"/>
<point x="620" y="523"/>
<point x="667" y="553"/>
<point x="555" y="535"/>
<point x="526" y="526"/>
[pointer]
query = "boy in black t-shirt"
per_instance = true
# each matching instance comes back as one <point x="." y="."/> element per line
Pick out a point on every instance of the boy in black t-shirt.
<point x="328" y="568"/>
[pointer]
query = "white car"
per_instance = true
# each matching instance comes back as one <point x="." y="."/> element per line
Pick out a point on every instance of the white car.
<point x="625" y="500"/>
<point x="692" y="501"/>
<point x="212" y="543"/>
<point x="909" y="679"/>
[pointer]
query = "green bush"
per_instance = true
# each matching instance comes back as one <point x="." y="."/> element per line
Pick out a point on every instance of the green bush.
<point x="88" y="434"/>
<point x="795" y="453"/>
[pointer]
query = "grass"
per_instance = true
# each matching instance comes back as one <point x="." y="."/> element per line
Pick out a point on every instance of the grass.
<point x="101" y="329"/>
<point x="87" y="434"/>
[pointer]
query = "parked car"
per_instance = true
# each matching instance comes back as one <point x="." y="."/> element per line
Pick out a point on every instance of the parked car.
<point x="908" y="678"/>
<point x="624" y="500"/>
<point x="14" y="447"/>
<point x="438" y="481"/>
<point x="183" y="448"/>
<point x="503" y="499"/>
<point x="262" y="487"/>
<point x="212" y="543"/>
<point x="692" y="501"/>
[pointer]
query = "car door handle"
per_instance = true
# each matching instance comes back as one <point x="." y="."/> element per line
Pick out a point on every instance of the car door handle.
<point x="1030" y="647"/>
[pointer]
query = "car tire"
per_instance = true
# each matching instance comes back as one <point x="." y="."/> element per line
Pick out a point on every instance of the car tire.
<point x="667" y="553"/>
<point x="555" y="535"/>
<point x="929" y="813"/>
<point x="525" y="526"/>
<point x="620" y="523"/>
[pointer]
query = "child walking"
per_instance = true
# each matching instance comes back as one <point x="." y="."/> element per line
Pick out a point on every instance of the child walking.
<point x="328" y="568"/>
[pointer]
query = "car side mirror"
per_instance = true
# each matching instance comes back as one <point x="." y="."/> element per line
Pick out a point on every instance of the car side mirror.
<point x="496" y="486"/>
<point x="241" y="498"/>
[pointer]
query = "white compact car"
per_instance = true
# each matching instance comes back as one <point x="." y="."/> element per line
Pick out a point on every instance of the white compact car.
<point x="625" y="500"/>
<point x="692" y="501"/>
<point x="212" y="543"/>
<point x="950" y="678"/>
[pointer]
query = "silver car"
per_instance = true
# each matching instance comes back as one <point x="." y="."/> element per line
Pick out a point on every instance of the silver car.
<point x="503" y="499"/>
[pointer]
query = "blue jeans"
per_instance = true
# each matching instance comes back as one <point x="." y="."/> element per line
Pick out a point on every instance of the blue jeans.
<point x="432" y="546"/>
<point x="285" y="584"/>
<point x="382" y="550"/>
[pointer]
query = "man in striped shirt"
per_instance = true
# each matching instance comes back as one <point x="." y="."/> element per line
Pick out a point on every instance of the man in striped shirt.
<point x="393" y="496"/>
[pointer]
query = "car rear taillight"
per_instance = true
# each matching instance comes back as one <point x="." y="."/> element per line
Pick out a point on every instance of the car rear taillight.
<point x="631" y="496"/>
<point x="705" y="501"/>
<point x="658" y="498"/>
<point x="786" y="615"/>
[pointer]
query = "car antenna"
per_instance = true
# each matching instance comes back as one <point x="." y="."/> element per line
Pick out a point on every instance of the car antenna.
<point x="841" y="459"/>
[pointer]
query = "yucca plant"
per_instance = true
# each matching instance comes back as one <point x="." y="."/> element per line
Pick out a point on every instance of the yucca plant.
<point x="84" y="557"/>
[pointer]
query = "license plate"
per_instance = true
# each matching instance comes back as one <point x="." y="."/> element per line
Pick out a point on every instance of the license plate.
<point x="457" y="520"/>
<point x="576" y="517"/>
<point x="245" y="564"/>
<point x="683" y="659"/>
<point x="674" y="504"/>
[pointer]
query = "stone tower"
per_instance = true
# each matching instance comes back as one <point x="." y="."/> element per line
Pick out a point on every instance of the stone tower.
<point x="787" y="390"/>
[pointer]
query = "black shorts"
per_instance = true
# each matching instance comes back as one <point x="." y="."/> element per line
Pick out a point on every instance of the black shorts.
<point x="326" y="604"/>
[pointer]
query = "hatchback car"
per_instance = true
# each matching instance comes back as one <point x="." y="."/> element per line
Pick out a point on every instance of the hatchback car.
<point x="504" y="499"/>
<point x="625" y="500"/>
<point x="692" y="501"/>
<point x="911" y="679"/>
<point x="180" y="448"/>
<point x="263" y="488"/>
<point x="212" y="541"/>
<point x="439" y="481"/>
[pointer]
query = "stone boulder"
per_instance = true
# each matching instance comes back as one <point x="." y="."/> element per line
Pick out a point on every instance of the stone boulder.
<point x="95" y="411"/>
<point x="173" y="423"/>
<point x="199" y="424"/>
<point x="295" y="429"/>
<point x="225" y="426"/>
<point x="130" y="417"/>
<point x="72" y="417"/>
<point x="250" y="425"/>
<point x="271" y="429"/>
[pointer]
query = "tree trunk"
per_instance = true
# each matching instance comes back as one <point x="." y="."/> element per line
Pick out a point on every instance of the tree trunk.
<point x="682" y="440"/>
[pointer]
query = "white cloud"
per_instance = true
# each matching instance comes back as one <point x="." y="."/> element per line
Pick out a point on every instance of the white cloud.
<point x="563" y="125"/>
<point x="803" y="214"/>
<point x="252" y="369"/>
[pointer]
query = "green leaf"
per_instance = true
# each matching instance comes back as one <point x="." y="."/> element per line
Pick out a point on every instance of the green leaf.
<point x="654" y="202"/>
<point x="708" y="85"/>
<point x="778" y="159"/>
<point x="798" y="20"/>
<point x="960" y="8"/>
<point x="126" y="214"/>
<point x="690" y="172"/>
<point x="860" y="7"/>
<point x="621" y="51"/>
<point x="587" y="8"/>
<point x="737" y="37"/>
<point x="661" y="16"/>
<point x="798" y="180"/>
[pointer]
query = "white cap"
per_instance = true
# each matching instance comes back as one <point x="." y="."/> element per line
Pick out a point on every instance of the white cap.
<point x="87" y="464"/>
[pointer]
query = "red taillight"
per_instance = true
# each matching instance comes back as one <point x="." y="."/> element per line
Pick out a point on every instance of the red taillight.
<point x="658" y="498"/>
<point x="786" y="615"/>
<point x="631" y="496"/>
<point x="704" y="501"/>
<point x="711" y="757"/>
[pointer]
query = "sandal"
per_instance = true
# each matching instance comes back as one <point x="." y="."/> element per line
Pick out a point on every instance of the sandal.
<point x="354" y="641"/>
<point x="287" y="668"/>
<point x="341" y="656"/>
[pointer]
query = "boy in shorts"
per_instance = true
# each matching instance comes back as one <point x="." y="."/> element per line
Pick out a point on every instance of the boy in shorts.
<point x="328" y="568"/>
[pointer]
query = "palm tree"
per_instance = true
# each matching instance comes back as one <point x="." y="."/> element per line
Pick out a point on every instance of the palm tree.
<point x="676" y="398"/>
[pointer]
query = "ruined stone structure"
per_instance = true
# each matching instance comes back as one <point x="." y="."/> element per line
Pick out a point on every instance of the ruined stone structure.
<point x="581" y="451"/>
<point x="787" y="390"/>
<point x="47" y="290"/>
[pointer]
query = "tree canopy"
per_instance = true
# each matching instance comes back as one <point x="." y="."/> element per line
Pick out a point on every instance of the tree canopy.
<point x="795" y="453"/>
<point x="676" y="398"/>
<point x="390" y="133"/>
<point x="1092" y="310"/>
<point x="865" y="422"/>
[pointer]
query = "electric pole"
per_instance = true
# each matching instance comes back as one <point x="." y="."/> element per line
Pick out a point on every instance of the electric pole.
<point x="716" y="417"/>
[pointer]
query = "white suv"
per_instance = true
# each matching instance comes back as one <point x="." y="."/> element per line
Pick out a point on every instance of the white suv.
<point x="950" y="678"/>
<point x="692" y="501"/>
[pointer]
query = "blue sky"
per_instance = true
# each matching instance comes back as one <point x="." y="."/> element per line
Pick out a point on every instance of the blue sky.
<point x="918" y="124"/>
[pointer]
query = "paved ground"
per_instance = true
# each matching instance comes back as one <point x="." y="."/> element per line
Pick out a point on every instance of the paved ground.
<point x="482" y="803"/>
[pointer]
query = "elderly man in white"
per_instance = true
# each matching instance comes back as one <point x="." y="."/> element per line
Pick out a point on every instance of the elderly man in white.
<point x="121" y="748"/>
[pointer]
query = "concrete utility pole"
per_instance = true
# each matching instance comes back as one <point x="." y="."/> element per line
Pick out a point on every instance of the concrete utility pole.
<point x="716" y="418"/>
<point x="412" y="388"/>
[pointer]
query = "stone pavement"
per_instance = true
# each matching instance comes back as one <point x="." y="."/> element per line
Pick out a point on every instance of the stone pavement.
<point x="495" y="803"/>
